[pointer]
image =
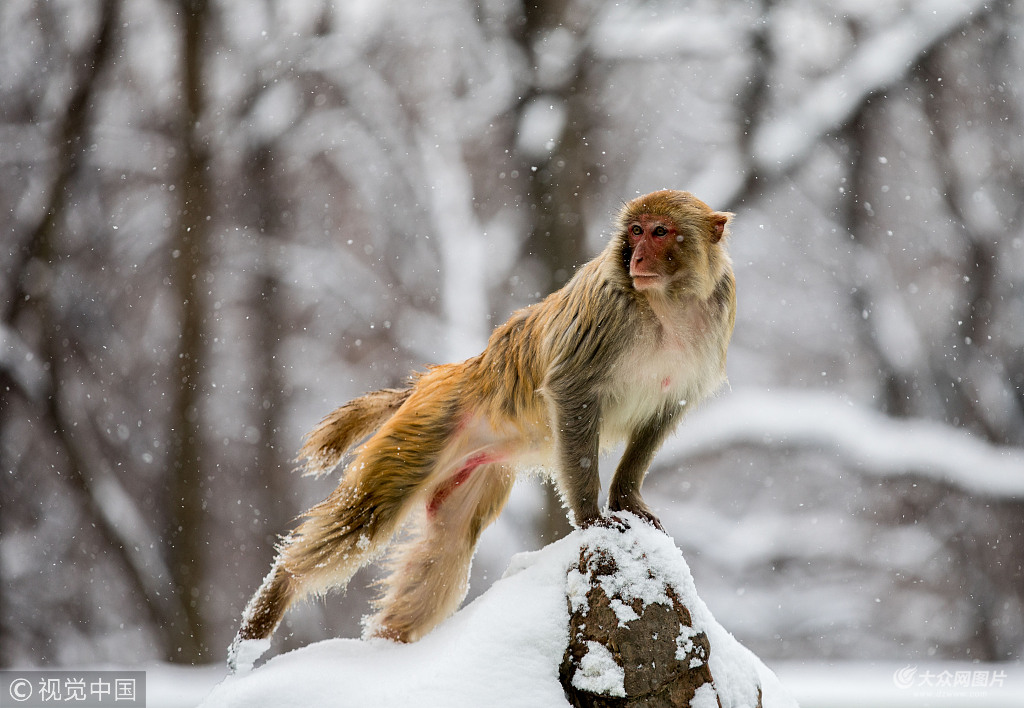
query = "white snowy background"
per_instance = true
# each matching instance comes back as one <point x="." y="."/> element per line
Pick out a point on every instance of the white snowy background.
<point x="220" y="219"/>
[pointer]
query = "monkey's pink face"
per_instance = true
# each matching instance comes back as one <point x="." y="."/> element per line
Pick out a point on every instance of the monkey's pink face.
<point x="653" y="240"/>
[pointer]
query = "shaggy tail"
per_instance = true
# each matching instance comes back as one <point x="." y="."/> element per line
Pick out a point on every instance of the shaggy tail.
<point x="326" y="445"/>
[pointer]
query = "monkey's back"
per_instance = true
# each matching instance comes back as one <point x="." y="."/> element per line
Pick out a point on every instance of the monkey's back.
<point x="574" y="332"/>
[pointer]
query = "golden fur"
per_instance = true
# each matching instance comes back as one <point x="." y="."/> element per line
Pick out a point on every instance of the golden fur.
<point x="598" y="361"/>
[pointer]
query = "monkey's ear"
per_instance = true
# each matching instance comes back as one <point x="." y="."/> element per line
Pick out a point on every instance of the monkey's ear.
<point x="718" y="221"/>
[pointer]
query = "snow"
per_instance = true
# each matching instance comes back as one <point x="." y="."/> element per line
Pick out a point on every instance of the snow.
<point x="666" y="34"/>
<point x="503" y="649"/>
<point x="507" y="644"/>
<point x="816" y="684"/>
<point x="243" y="653"/>
<point x="704" y="697"/>
<point x="684" y="644"/>
<point x="598" y="672"/>
<point x="854" y="684"/>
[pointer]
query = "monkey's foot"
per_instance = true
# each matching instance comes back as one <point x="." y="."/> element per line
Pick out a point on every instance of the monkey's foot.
<point x="644" y="513"/>
<point x="243" y="653"/>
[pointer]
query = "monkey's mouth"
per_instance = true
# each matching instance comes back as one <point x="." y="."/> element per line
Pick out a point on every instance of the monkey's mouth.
<point x="644" y="280"/>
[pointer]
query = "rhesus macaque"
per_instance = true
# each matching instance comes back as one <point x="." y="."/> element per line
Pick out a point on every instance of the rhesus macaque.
<point x="635" y="338"/>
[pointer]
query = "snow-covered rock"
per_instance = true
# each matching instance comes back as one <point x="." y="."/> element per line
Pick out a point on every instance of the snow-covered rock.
<point x="505" y="648"/>
<point x="640" y="636"/>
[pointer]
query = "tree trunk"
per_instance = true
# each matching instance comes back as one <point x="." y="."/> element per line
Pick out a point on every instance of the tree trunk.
<point x="185" y="536"/>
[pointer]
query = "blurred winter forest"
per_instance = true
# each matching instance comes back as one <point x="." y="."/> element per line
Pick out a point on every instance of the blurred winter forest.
<point x="222" y="218"/>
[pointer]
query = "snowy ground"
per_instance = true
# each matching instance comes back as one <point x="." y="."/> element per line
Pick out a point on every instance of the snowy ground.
<point x="814" y="685"/>
<point x="885" y="685"/>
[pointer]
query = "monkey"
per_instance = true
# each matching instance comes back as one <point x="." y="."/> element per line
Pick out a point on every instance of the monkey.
<point x="634" y="339"/>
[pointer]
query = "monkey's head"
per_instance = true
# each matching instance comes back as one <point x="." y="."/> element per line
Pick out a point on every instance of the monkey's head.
<point x="671" y="243"/>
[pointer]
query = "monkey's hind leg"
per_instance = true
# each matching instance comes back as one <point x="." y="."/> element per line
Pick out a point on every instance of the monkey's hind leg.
<point x="261" y="617"/>
<point x="388" y="477"/>
<point x="430" y="572"/>
<point x="339" y="535"/>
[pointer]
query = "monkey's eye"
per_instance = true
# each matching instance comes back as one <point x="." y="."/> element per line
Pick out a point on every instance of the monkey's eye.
<point x="660" y="231"/>
<point x="636" y="229"/>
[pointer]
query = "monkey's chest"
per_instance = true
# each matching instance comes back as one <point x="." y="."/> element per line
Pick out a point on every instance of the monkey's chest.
<point x="659" y="372"/>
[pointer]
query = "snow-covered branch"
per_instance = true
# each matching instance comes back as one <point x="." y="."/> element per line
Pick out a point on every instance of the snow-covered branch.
<point x="780" y="144"/>
<point x="19" y="362"/>
<point x="685" y="33"/>
<point x="878" y="63"/>
<point x="462" y="247"/>
<point x="875" y="443"/>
